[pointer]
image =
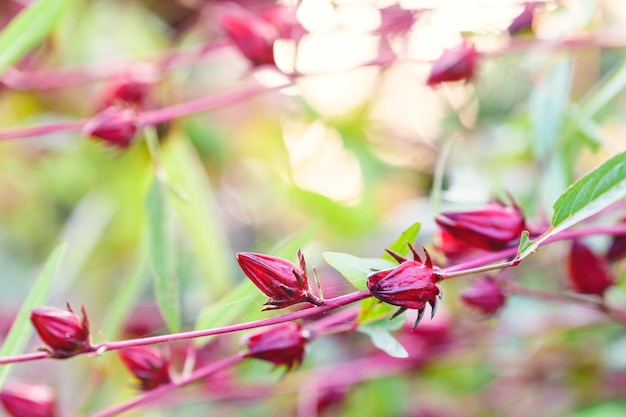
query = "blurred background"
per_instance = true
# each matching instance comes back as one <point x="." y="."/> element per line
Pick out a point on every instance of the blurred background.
<point x="356" y="148"/>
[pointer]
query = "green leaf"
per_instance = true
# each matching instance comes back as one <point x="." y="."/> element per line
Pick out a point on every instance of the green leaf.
<point x="382" y="339"/>
<point x="21" y="329"/>
<point x="28" y="28"/>
<point x="198" y="215"/>
<point x="356" y="269"/>
<point x="162" y="258"/>
<point x="400" y="245"/>
<point x="125" y="299"/>
<point x="589" y="195"/>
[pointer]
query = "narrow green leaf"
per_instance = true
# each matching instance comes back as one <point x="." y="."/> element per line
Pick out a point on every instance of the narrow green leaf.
<point x="589" y="195"/>
<point x="125" y="299"/>
<point x="382" y="339"/>
<point x="356" y="269"/>
<point x="595" y="191"/>
<point x="400" y="245"/>
<point x="161" y="249"/>
<point x="21" y="329"/>
<point x="198" y="215"/>
<point x="28" y="28"/>
<point x="604" y="92"/>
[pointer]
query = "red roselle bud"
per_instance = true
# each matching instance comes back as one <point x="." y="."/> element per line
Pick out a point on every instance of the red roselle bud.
<point x="617" y="249"/>
<point x="116" y="126"/>
<point x="253" y="35"/>
<point x="411" y="284"/>
<point x="130" y="92"/>
<point x="279" y="279"/>
<point x="452" y="247"/>
<point x="485" y="295"/>
<point x="456" y="64"/>
<point x="148" y="365"/>
<point x="65" y="333"/>
<point x="21" y="399"/>
<point x="283" y="344"/>
<point x="588" y="273"/>
<point x="493" y="227"/>
<point x="523" y="23"/>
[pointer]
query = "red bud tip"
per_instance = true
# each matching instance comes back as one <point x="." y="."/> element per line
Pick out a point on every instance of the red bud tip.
<point x="148" y="365"/>
<point x="283" y="344"/>
<point x="277" y="278"/>
<point x="116" y="126"/>
<point x="485" y="295"/>
<point x="493" y="228"/>
<point x="65" y="333"/>
<point x="456" y="64"/>
<point x="588" y="273"/>
<point x="130" y="92"/>
<point x="21" y="399"/>
<point x="412" y="284"/>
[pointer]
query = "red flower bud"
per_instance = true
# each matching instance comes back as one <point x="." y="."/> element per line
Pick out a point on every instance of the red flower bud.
<point x="523" y="23"/>
<point x="588" y="273"/>
<point x="452" y="247"/>
<point x="455" y="64"/>
<point x="147" y="364"/>
<point x="493" y="228"/>
<point x="617" y="249"/>
<point x="411" y="284"/>
<point x="281" y="345"/>
<point x="132" y="92"/>
<point x="116" y="126"/>
<point x="65" y="333"/>
<point x="279" y="279"/>
<point x="485" y="295"/>
<point x="253" y="35"/>
<point x="21" y="399"/>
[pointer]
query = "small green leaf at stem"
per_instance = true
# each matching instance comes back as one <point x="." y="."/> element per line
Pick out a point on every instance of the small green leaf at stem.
<point x="400" y="246"/>
<point x="356" y="269"/>
<point x="382" y="339"/>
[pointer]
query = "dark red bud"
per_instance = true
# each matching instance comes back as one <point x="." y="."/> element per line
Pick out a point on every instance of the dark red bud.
<point x="493" y="228"/>
<point x="617" y="249"/>
<point x="588" y="273"/>
<point x="277" y="278"/>
<point x="130" y="92"/>
<point x="253" y="35"/>
<point x="283" y="344"/>
<point x="409" y="285"/>
<point x="147" y="364"/>
<point x="456" y="64"/>
<point x="21" y="399"/>
<point x="116" y="126"/>
<point x="485" y="295"/>
<point x="65" y="333"/>
<point x="523" y="23"/>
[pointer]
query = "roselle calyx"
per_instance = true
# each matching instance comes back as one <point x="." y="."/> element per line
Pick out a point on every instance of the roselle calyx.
<point x="485" y="295"/>
<point x="587" y="272"/>
<point x="148" y="365"/>
<point x="63" y="331"/>
<point x="493" y="227"/>
<point x="116" y="125"/>
<point x="25" y="399"/>
<point x="283" y="344"/>
<point x="457" y="64"/>
<point x="410" y="285"/>
<point x="279" y="279"/>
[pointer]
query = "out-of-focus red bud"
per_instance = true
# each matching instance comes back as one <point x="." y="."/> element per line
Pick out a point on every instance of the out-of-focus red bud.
<point x="493" y="227"/>
<point x="253" y="35"/>
<point x="116" y="126"/>
<point x="456" y="64"/>
<point x="523" y="23"/>
<point x="147" y="364"/>
<point x="485" y="295"/>
<point x="278" y="278"/>
<point x="452" y="247"/>
<point x="65" y="333"/>
<point x="283" y="344"/>
<point x="283" y="18"/>
<point x="21" y="399"/>
<point x="588" y="273"/>
<point x="132" y="92"/>
<point x="411" y="284"/>
<point x="396" y="20"/>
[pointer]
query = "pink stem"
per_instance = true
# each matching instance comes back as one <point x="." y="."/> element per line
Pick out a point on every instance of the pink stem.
<point x="163" y="390"/>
